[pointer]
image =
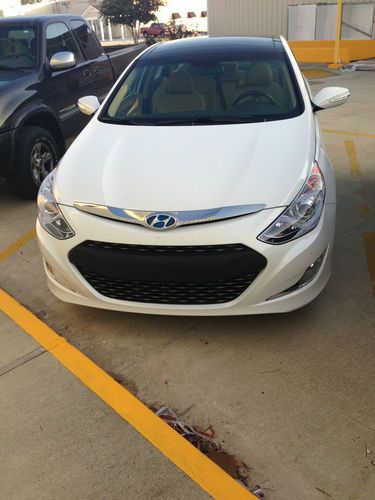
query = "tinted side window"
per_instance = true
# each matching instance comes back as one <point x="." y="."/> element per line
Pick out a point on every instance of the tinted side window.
<point x="60" y="39"/>
<point x="87" y="39"/>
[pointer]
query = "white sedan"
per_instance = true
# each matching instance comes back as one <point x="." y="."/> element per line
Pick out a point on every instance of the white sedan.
<point x="201" y="186"/>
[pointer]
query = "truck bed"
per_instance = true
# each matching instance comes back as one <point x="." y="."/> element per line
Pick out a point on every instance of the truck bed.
<point x="121" y="57"/>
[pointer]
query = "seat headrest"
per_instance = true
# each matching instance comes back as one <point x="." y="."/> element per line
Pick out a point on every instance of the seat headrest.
<point x="18" y="47"/>
<point x="230" y="70"/>
<point x="204" y="84"/>
<point x="259" y="74"/>
<point x="4" y="46"/>
<point x="180" y="82"/>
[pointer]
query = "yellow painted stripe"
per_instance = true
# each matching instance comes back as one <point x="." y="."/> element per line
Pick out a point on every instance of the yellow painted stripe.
<point x="355" y="134"/>
<point x="364" y="208"/>
<point x="355" y="169"/>
<point x="317" y="73"/>
<point x="214" y="480"/>
<point x="17" y="244"/>
<point x="369" y="239"/>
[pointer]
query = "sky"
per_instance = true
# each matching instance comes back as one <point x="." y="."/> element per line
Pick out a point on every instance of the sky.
<point x="10" y="7"/>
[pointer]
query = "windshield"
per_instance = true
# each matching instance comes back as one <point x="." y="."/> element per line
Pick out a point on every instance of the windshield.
<point x="17" y="48"/>
<point x="210" y="90"/>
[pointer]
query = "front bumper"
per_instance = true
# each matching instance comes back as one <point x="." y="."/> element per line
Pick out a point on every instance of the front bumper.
<point x="285" y="263"/>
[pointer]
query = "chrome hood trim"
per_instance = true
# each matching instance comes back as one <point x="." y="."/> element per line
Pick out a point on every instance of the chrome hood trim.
<point x="147" y="218"/>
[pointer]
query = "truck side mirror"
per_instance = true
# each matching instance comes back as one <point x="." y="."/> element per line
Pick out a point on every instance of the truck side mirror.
<point x="88" y="105"/>
<point x="62" y="60"/>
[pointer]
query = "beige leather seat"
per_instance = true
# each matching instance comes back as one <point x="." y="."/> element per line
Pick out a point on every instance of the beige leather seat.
<point x="229" y="81"/>
<point x="259" y="77"/>
<point x="206" y="86"/>
<point x="178" y="94"/>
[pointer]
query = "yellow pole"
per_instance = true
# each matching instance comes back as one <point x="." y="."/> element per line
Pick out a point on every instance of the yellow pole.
<point x="336" y="56"/>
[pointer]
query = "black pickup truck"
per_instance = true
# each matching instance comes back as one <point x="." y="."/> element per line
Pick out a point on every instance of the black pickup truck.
<point x="46" y="64"/>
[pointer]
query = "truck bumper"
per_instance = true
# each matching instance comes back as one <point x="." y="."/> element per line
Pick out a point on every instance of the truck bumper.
<point x="5" y="153"/>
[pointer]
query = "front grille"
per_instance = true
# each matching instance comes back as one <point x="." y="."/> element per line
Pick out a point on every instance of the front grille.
<point x="181" y="275"/>
<point x="215" y="292"/>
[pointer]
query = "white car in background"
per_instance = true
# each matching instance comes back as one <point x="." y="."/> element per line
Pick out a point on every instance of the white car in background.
<point x="200" y="187"/>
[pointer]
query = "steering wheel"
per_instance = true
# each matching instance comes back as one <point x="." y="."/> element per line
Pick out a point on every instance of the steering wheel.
<point x="255" y="92"/>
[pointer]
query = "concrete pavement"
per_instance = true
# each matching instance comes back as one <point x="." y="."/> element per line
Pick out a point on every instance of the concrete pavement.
<point x="58" y="440"/>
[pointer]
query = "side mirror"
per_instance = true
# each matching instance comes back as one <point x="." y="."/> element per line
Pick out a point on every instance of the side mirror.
<point x="329" y="97"/>
<point x="89" y="104"/>
<point x="62" y="60"/>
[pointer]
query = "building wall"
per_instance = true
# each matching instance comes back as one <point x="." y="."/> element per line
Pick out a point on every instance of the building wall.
<point x="255" y="17"/>
<point x="57" y="7"/>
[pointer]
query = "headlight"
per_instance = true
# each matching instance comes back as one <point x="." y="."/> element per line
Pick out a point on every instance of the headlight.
<point x="49" y="215"/>
<point x="302" y="215"/>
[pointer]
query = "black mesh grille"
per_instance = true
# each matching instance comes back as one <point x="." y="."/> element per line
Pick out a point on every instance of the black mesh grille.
<point x="183" y="275"/>
<point x="215" y="292"/>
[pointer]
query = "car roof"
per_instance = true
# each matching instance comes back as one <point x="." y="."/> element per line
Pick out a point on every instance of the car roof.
<point x="22" y="20"/>
<point x="212" y="45"/>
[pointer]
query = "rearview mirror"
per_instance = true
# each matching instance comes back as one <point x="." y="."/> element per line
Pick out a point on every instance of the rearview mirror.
<point x="329" y="97"/>
<point x="62" y="60"/>
<point x="89" y="104"/>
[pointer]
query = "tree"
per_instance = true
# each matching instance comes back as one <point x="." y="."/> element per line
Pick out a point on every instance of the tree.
<point x="132" y="13"/>
<point x="24" y="2"/>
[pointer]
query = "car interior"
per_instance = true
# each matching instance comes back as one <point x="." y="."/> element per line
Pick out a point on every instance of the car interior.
<point x="229" y="87"/>
<point x="17" y="50"/>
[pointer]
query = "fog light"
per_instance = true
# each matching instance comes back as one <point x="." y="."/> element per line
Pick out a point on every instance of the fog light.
<point x="307" y="277"/>
<point x="57" y="277"/>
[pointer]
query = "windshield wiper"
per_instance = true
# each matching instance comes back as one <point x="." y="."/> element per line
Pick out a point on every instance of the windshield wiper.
<point x="203" y="120"/>
<point x="207" y="120"/>
<point x="126" y="121"/>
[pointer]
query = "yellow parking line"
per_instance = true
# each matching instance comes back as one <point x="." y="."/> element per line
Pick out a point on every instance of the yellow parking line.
<point x="214" y="480"/>
<point x="353" y="159"/>
<point x="355" y="134"/>
<point x="355" y="170"/>
<point x="369" y="239"/>
<point x="17" y="244"/>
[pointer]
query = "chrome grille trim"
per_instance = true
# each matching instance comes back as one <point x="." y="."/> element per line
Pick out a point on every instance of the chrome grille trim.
<point x="183" y="218"/>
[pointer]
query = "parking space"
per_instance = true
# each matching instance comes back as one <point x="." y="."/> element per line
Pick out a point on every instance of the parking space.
<point x="291" y="395"/>
<point x="77" y="444"/>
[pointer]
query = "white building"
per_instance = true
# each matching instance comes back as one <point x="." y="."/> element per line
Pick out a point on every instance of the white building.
<point x="10" y="8"/>
<point x="191" y="13"/>
<point x="295" y="19"/>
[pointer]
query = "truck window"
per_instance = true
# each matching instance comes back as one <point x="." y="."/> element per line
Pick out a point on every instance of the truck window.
<point x="60" y="39"/>
<point x="89" y="44"/>
<point x="17" y="47"/>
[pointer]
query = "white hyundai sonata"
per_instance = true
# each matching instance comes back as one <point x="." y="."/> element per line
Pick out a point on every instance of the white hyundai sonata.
<point x="200" y="187"/>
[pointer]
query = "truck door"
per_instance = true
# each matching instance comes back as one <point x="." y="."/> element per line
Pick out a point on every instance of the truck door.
<point x="67" y="86"/>
<point x="94" y="52"/>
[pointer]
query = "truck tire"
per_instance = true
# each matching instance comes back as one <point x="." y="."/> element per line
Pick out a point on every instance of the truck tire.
<point x="36" y="155"/>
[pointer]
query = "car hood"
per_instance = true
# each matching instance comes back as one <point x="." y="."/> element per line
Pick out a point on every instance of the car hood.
<point x="165" y="168"/>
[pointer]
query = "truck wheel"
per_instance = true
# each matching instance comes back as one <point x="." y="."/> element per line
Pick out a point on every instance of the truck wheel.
<point x="36" y="155"/>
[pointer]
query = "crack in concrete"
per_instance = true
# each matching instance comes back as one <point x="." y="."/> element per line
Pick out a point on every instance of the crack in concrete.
<point x="22" y="360"/>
